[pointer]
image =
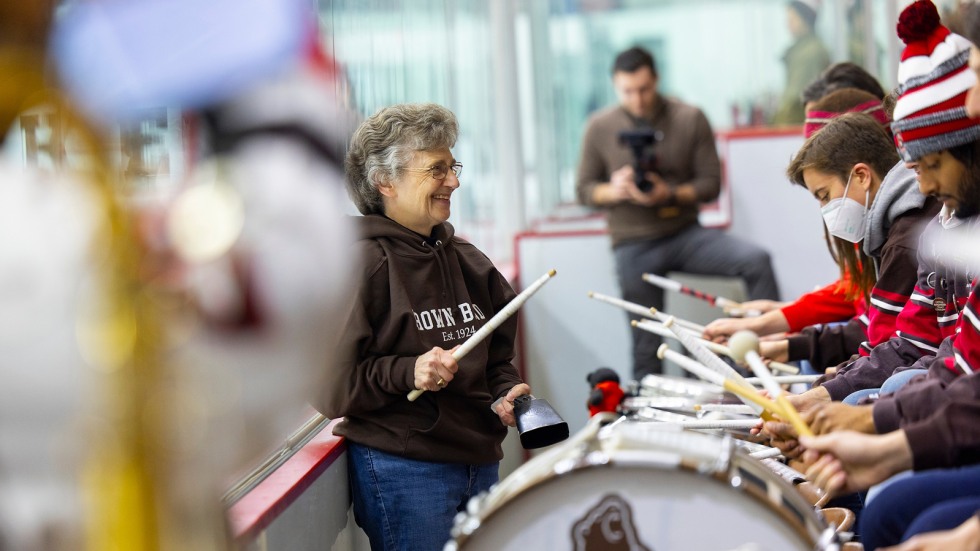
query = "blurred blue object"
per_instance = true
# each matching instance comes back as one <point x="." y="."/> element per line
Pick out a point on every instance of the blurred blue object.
<point x="118" y="57"/>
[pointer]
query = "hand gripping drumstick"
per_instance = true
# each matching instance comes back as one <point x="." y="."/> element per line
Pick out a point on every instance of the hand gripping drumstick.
<point x="759" y="404"/>
<point x="705" y="356"/>
<point x="717" y="348"/>
<point x="493" y="323"/>
<point x="651" y="313"/>
<point x="746" y="345"/>
<point x="714" y="363"/>
<point x="668" y="284"/>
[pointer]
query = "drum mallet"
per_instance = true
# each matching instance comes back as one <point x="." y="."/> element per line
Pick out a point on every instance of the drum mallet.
<point x="745" y="344"/>
<point x="713" y="362"/>
<point x="493" y="323"/>
<point x="712" y="346"/>
<point x="749" y="396"/>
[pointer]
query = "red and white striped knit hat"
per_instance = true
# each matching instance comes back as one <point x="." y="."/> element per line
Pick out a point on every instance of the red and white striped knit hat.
<point x="933" y="81"/>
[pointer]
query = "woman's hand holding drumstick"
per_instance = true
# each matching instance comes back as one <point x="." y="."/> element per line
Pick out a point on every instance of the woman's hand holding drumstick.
<point x="435" y="368"/>
<point x="462" y="350"/>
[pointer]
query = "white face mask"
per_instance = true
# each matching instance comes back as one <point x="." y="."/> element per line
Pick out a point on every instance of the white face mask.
<point x="845" y="217"/>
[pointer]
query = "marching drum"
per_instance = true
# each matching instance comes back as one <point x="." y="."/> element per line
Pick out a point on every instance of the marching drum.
<point x="642" y="486"/>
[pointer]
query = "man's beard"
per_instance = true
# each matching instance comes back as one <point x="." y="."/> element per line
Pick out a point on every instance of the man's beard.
<point x="969" y="200"/>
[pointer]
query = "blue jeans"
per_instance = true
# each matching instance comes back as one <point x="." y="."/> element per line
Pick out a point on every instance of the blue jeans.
<point x="406" y="504"/>
<point x="892" y="516"/>
<point x="890" y="385"/>
<point x="945" y="516"/>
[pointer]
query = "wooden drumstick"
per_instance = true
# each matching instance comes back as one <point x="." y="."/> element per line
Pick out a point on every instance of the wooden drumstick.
<point x="749" y="396"/>
<point x="493" y="323"/>
<point x="710" y="345"/>
<point x="746" y="345"/>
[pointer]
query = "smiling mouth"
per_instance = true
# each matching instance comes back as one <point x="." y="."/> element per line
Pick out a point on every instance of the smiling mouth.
<point x="441" y="197"/>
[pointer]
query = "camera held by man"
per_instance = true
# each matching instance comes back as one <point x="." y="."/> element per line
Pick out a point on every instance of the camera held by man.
<point x="642" y="142"/>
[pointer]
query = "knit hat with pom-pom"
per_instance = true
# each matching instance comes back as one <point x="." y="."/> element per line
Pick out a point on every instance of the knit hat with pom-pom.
<point x="933" y="81"/>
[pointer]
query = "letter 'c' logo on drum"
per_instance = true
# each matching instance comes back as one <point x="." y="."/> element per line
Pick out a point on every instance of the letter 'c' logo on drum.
<point x="607" y="527"/>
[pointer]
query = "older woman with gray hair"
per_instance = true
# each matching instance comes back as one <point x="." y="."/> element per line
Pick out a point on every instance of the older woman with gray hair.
<point x="422" y="291"/>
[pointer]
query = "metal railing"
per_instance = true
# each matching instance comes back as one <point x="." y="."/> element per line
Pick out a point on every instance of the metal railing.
<point x="293" y="443"/>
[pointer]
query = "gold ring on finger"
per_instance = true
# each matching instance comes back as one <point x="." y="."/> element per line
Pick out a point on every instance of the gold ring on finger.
<point x="441" y="382"/>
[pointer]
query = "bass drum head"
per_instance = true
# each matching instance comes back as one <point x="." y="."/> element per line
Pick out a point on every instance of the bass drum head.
<point x="638" y="507"/>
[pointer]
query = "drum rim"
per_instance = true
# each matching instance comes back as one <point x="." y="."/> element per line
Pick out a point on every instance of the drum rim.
<point x="807" y="523"/>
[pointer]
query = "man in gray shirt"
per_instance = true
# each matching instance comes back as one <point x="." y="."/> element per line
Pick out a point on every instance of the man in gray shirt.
<point x="655" y="229"/>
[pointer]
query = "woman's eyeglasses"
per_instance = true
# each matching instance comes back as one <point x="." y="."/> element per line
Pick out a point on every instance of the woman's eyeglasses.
<point x="440" y="171"/>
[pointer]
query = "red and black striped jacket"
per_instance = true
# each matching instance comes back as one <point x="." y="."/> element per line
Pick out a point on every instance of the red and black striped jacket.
<point x="929" y="316"/>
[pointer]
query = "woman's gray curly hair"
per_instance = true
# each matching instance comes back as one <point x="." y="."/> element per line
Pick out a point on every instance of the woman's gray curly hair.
<point x="385" y="143"/>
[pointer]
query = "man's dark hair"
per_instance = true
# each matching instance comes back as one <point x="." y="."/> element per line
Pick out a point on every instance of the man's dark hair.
<point x="814" y="91"/>
<point x="842" y="75"/>
<point x="634" y="59"/>
<point x="971" y="27"/>
<point x="969" y="188"/>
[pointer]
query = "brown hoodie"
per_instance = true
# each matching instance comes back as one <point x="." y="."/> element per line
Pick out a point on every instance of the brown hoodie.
<point x="416" y="293"/>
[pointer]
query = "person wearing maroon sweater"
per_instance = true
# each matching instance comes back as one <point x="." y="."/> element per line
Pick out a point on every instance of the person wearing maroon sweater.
<point x="934" y="418"/>
<point x="925" y="327"/>
<point x="849" y="168"/>
<point x="834" y="302"/>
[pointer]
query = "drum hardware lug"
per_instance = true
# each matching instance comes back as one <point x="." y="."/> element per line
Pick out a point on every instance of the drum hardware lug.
<point x="735" y="481"/>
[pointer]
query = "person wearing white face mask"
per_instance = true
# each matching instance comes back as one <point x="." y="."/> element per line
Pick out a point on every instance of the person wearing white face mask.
<point x="868" y="198"/>
<point x="846" y="218"/>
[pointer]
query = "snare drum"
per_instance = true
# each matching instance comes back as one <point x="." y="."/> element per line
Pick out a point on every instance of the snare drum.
<point x="641" y="486"/>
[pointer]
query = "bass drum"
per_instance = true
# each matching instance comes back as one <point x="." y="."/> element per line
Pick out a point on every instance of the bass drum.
<point x="642" y="486"/>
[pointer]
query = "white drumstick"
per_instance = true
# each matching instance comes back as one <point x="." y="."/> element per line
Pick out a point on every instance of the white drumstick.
<point x="785" y="379"/>
<point x="624" y="304"/>
<point x="717" y="348"/>
<point x="493" y="323"/>
<point x="689" y="325"/>
<point x="736" y="409"/>
<point x="640" y="310"/>
<point x="668" y="284"/>
<point x="746" y="344"/>
<point x="727" y="424"/>
<point x="767" y="453"/>
<point x="705" y="356"/>
<point x="734" y="382"/>
<point x="702" y="372"/>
